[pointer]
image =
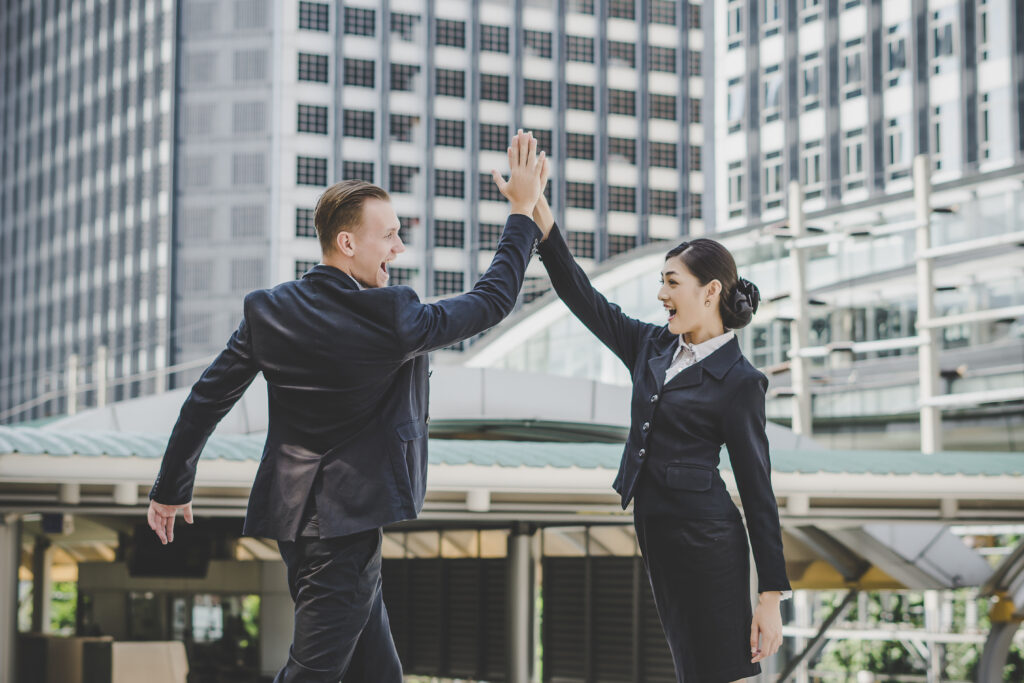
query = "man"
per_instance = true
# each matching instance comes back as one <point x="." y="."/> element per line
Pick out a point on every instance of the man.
<point x="345" y="359"/>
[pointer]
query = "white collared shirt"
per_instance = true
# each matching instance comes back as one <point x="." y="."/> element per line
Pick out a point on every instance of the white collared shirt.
<point x="688" y="354"/>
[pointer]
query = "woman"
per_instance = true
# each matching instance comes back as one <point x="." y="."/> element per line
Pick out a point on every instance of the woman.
<point x="693" y="391"/>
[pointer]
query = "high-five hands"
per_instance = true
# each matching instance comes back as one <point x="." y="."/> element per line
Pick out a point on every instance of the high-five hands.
<point x="527" y="178"/>
<point x="161" y="519"/>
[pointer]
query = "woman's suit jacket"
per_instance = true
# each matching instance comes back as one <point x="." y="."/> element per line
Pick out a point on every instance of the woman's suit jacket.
<point x="677" y="428"/>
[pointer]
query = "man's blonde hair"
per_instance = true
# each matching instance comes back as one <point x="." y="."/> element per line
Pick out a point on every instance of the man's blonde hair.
<point x="340" y="209"/>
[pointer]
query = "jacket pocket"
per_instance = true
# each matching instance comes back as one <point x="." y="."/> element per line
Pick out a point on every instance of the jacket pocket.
<point x="688" y="478"/>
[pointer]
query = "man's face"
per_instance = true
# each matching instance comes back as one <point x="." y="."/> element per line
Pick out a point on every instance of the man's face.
<point x="375" y="243"/>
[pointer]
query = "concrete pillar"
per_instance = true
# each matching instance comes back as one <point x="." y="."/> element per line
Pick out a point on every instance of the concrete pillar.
<point x="42" y="584"/>
<point x="10" y="557"/>
<point x="521" y="598"/>
<point x="798" y="335"/>
<point x="803" y="608"/>
<point x="933" y="624"/>
<point x="928" y="353"/>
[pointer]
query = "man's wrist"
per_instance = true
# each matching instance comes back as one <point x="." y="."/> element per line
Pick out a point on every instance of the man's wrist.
<point x="770" y="596"/>
<point x="524" y="209"/>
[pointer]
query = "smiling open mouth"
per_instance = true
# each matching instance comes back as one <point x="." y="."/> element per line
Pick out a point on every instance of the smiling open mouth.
<point x="671" y="313"/>
<point x="384" y="268"/>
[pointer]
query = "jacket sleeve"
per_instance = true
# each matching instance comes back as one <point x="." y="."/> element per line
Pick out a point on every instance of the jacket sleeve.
<point x="421" y="328"/>
<point x="616" y="330"/>
<point x="748" y="452"/>
<point x="212" y="396"/>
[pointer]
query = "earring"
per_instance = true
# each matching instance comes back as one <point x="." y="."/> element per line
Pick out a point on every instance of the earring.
<point x="707" y="302"/>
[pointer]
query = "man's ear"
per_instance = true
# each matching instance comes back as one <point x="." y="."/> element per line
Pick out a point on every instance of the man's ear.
<point x="344" y="243"/>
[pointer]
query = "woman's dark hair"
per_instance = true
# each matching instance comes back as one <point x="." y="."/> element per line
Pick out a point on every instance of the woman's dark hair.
<point x="708" y="260"/>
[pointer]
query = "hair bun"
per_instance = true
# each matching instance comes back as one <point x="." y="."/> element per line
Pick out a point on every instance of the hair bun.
<point x="745" y="297"/>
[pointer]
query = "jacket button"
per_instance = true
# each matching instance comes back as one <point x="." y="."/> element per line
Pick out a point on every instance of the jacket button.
<point x="641" y="453"/>
<point x="647" y="425"/>
<point x="654" y="398"/>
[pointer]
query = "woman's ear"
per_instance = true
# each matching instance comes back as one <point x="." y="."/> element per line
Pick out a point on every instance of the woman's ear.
<point x="714" y="288"/>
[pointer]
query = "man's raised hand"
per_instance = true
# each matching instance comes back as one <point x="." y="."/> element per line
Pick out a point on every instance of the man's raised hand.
<point x="525" y="183"/>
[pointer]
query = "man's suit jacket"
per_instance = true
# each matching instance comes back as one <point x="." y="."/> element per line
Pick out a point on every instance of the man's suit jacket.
<point x="677" y="428"/>
<point x="346" y="373"/>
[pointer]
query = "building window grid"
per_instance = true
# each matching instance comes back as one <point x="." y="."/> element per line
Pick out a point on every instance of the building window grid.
<point x="581" y="243"/>
<point x="622" y="198"/>
<point x="494" y="87"/>
<point x="404" y="25"/>
<point x="772" y="191"/>
<point x="403" y="77"/>
<point x="448" y="233"/>
<point x="622" y="9"/>
<point x="537" y="93"/>
<point x="734" y="24"/>
<point x="622" y="54"/>
<point x="810" y="81"/>
<point x="407" y="228"/>
<point x="853" y="69"/>
<point x="358" y="123"/>
<point x="401" y="127"/>
<point x="693" y="63"/>
<point x="580" y="146"/>
<point x="313" y="67"/>
<point x="451" y="33"/>
<point x="494" y="137"/>
<point x="402" y="178"/>
<point x="579" y="49"/>
<point x="360" y="21"/>
<point x="311" y="171"/>
<point x="314" y="16"/>
<point x="772" y="91"/>
<point x="451" y="83"/>
<point x="662" y="12"/>
<point x="579" y="195"/>
<point x="357" y="170"/>
<point x="662" y="59"/>
<point x="620" y="244"/>
<point x="538" y="43"/>
<point x="305" y="225"/>
<point x="360" y="72"/>
<point x="663" y="202"/>
<point x="312" y="119"/>
<point x="663" y="107"/>
<point x="735" y="189"/>
<point x="580" y="97"/>
<point x="694" y="18"/>
<point x="303" y="267"/>
<point x="449" y="183"/>
<point x="450" y="133"/>
<point x="401" y="276"/>
<point x="494" y="38"/>
<point x="489" y="192"/>
<point x="811" y="169"/>
<point x="694" y="105"/>
<point x="447" y="282"/>
<point x="622" y="150"/>
<point x="622" y="102"/>
<point x="490" y="233"/>
<point x="853" y="158"/>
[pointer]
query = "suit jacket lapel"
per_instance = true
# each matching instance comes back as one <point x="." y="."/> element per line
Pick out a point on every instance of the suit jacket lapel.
<point x="659" y="364"/>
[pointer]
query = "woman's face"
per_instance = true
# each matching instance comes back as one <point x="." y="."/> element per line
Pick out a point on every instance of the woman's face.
<point x="683" y="297"/>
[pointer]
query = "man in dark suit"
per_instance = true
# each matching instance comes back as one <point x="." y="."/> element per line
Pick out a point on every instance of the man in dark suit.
<point x="345" y="359"/>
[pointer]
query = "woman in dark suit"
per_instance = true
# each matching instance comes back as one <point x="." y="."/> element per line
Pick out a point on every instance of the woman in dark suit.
<point x="693" y="391"/>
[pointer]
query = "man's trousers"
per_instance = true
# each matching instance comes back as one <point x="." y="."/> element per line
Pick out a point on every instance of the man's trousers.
<point x="341" y="624"/>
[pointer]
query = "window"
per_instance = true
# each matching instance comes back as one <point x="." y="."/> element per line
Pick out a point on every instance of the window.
<point x="494" y="137"/>
<point x="449" y="234"/>
<point x="581" y="97"/>
<point x="772" y="93"/>
<point x="451" y="83"/>
<point x="622" y="199"/>
<point x="449" y="183"/>
<point x="312" y="119"/>
<point x="304" y="223"/>
<point x="451" y="33"/>
<point x="897" y="141"/>
<point x="450" y="133"/>
<point x="402" y="76"/>
<point x="696" y="158"/>
<point x="303" y="267"/>
<point x="663" y="154"/>
<point x="810" y="94"/>
<point x="404" y="25"/>
<point x="622" y="150"/>
<point x="580" y="243"/>
<point x="696" y="205"/>
<point x="622" y="102"/>
<point x="312" y="67"/>
<point x="694" y="110"/>
<point x="543" y="138"/>
<point x="663" y="202"/>
<point x="853" y="69"/>
<point x="735" y="189"/>
<point x="662" y="12"/>
<point x="311" y="171"/>
<point x="984" y="126"/>
<point x="490" y="233"/>
<point x="621" y="9"/>
<point x="619" y="244"/>
<point x="735" y="99"/>
<point x="360" y="22"/>
<point x="538" y="43"/>
<point x="661" y="59"/>
<point x="984" y="33"/>
<point x="402" y="126"/>
<point x="663" y="107"/>
<point x="489" y="192"/>
<point x="579" y="195"/>
<point x="621" y="54"/>
<point x="942" y="37"/>
<point x="694" y="15"/>
<point x="693" y="63"/>
<point x="580" y="146"/>
<point x="401" y="276"/>
<point x="359" y="72"/>
<point x="772" y="190"/>
<point x="494" y="87"/>
<point x="772" y="15"/>
<point x="734" y="23"/>
<point x="357" y="170"/>
<point x="537" y="92"/>
<point x="248" y="169"/>
<point x="896" y="54"/>
<point x="313" y="16"/>
<point x="447" y="282"/>
<point x="853" y="158"/>
<point x="402" y="178"/>
<point x="810" y="169"/>
<point x="581" y="6"/>
<point x="358" y="123"/>
<point x="493" y="38"/>
<point x="407" y="228"/>
<point x="579" y="49"/>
